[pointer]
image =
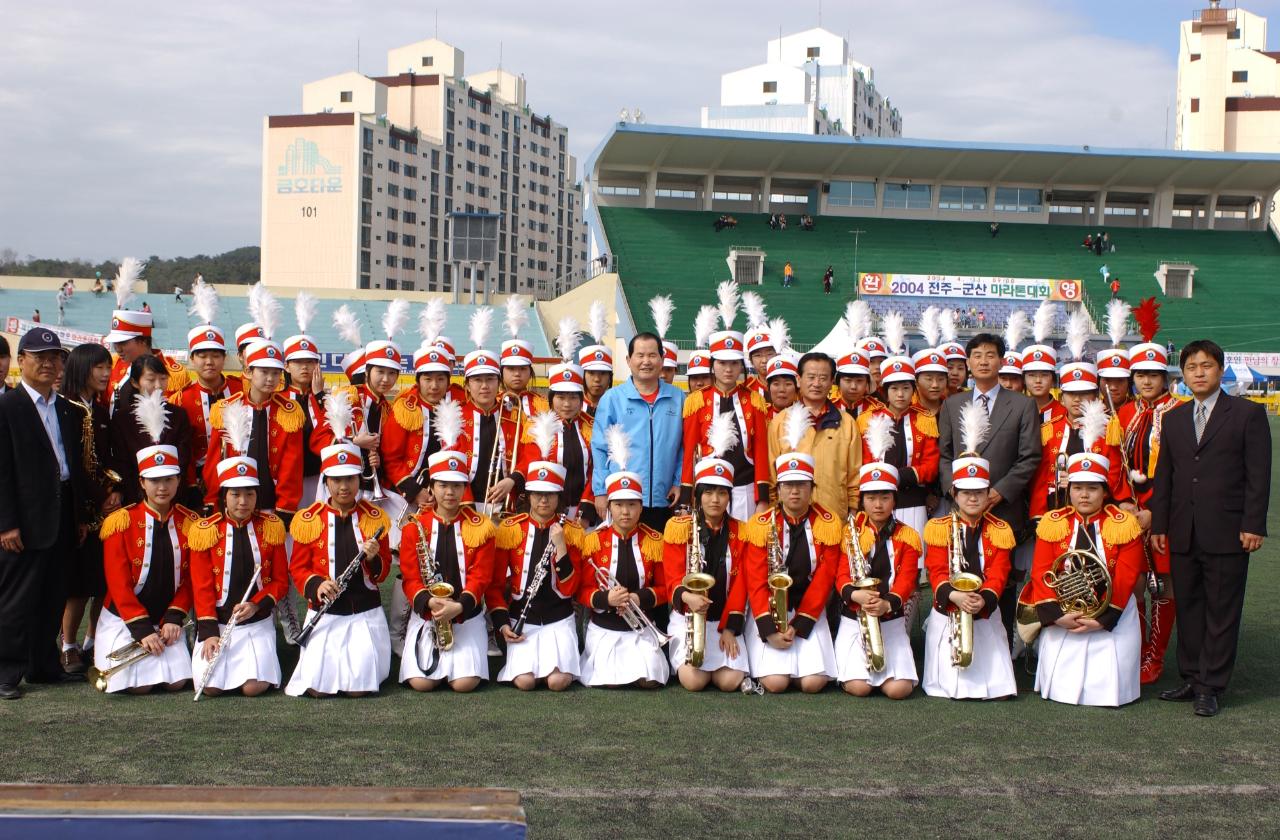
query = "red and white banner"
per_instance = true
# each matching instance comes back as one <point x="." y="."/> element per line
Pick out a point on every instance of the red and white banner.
<point x="68" y="336"/>
<point x="957" y="286"/>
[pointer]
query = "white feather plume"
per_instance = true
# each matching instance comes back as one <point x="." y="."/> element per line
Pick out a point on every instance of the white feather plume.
<point x="1042" y="321"/>
<point x="928" y="326"/>
<point x="569" y="338"/>
<point x="947" y="325"/>
<point x="264" y="308"/>
<point x="305" y="309"/>
<point x="727" y="302"/>
<point x="974" y="423"/>
<point x="660" y="309"/>
<point x="895" y="332"/>
<point x="1079" y="331"/>
<point x="1093" y="423"/>
<point x="204" y="301"/>
<point x="347" y="325"/>
<point x="781" y="335"/>
<point x="394" y="319"/>
<point x="150" y="413"/>
<point x="618" y="446"/>
<point x="753" y="305"/>
<point x="597" y="321"/>
<point x="1015" y="329"/>
<point x="517" y="315"/>
<point x="237" y="422"/>
<point x="447" y="419"/>
<point x="337" y="412"/>
<point x="543" y="429"/>
<point x="1118" y="321"/>
<point x="798" y="423"/>
<point x="480" y="327"/>
<point x="879" y="435"/>
<point x="704" y="325"/>
<point x="857" y="320"/>
<point x="722" y="434"/>
<point x="127" y="280"/>
<point x="431" y="321"/>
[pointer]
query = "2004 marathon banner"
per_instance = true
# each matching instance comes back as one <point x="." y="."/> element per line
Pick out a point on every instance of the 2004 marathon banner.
<point x="957" y="286"/>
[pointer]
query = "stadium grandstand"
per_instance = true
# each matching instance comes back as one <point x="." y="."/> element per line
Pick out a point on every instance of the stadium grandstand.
<point x="911" y="207"/>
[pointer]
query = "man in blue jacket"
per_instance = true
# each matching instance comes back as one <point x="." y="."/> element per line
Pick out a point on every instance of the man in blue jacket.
<point x="650" y="411"/>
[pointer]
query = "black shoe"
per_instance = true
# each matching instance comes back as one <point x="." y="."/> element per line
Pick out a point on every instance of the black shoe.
<point x="9" y="692"/>
<point x="1206" y="704"/>
<point x="55" y="678"/>
<point x="1182" y="692"/>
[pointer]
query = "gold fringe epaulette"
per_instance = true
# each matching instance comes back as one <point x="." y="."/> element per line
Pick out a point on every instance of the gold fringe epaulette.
<point x="590" y="543"/>
<point x="926" y="423"/>
<point x="204" y="535"/>
<point x="1120" y="526"/>
<point x="827" y="528"/>
<point x="272" y="529"/>
<point x="373" y="517"/>
<point x="1115" y="434"/>
<point x="186" y="518"/>
<point x="937" y="532"/>
<point x="116" y="522"/>
<point x="288" y="414"/>
<point x="510" y="534"/>
<point x="178" y="376"/>
<point x="215" y="413"/>
<point x="408" y="411"/>
<point x="308" y="525"/>
<point x="650" y="544"/>
<point x="906" y="534"/>
<point x="476" y="529"/>
<point x="1055" y="525"/>
<point x="573" y="535"/>
<point x="585" y="424"/>
<point x="678" y="530"/>
<point x="999" y="532"/>
<point x="864" y="422"/>
<point x="1046" y="432"/>
<point x="693" y="403"/>
<point x="867" y="539"/>
<point x="757" y="401"/>
<point x="756" y="529"/>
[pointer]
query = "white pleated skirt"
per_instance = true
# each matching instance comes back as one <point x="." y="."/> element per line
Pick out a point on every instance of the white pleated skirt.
<point x="916" y="517"/>
<point x="851" y="662"/>
<point x="250" y="655"/>
<point x="343" y="653"/>
<point x="805" y="657"/>
<point x="1092" y="669"/>
<point x="172" y="666"/>
<point x="713" y="659"/>
<point x="468" y="657"/>
<point x="620" y="657"/>
<point x="989" y="675"/>
<point x="742" y="502"/>
<point x="546" y="648"/>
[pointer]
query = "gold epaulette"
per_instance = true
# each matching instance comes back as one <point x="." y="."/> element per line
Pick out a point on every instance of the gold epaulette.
<point x="866" y="539"/>
<point x="693" y="403"/>
<point x="937" y="532"/>
<point x="1055" y="525"/>
<point x="272" y="529"/>
<point x="907" y="535"/>
<point x="999" y="532"/>
<point x="372" y="518"/>
<point x="215" y="413"/>
<point x="757" y="401"/>
<point x="573" y="535"/>
<point x="926" y="424"/>
<point x="827" y="529"/>
<point x="476" y="529"/>
<point x="864" y="422"/>
<point x="510" y="534"/>
<point x="186" y="518"/>
<point x="678" y="530"/>
<point x="174" y="399"/>
<point x="308" y="525"/>
<point x="1046" y="432"/>
<point x="585" y="424"/>
<point x="288" y="413"/>
<point x="204" y="535"/>
<point x="1115" y="434"/>
<point x="178" y="377"/>
<point x="116" y="522"/>
<point x="650" y="544"/>
<point x="1120" y="526"/>
<point x="407" y="411"/>
<point x="590" y="543"/>
<point x="756" y="529"/>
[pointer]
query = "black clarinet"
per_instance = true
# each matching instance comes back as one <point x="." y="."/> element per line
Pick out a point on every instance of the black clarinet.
<point x="343" y="580"/>
<point x="539" y="575"/>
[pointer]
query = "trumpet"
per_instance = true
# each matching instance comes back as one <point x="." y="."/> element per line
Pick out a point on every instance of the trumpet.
<point x="437" y="587"/>
<point x="497" y="466"/>
<point x="372" y="476"/>
<point x="961" y="581"/>
<point x="1059" y="473"/>
<point x="779" y="581"/>
<point x="631" y="613"/>
<point x="860" y="576"/>
<point x="696" y="580"/>
<point x="125" y="657"/>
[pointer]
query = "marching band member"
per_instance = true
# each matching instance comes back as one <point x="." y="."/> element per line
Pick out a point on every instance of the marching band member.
<point x="276" y="441"/>
<point x="716" y="588"/>
<point x="238" y="568"/>
<point x="147" y="375"/>
<point x="488" y="435"/>
<point x="348" y="650"/>
<point x="1088" y="657"/>
<point x="784" y="384"/>
<point x="446" y="562"/>
<point x="306" y="388"/>
<point x="621" y="584"/>
<point x="517" y="366"/>
<point x="1040" y="365"/>
<point x="1113" y="363"/>
<point x="967" y="556"/>
<point x="953" y="351"/>
<point x="761" y="348"/>
<point x="749" y="453"/>
<point x="382" y="366"/>
<point x="595" y="360"/>
<point x="563" y="436"/>
<point x="407" y="435"/>
<point x="535" y="564"/>
<point x="1010" y="374"/>
<point x="660" y="310"/>
<point x="931" y="380"/>
<point x="245" y="334"/>
<point x="670" y="361"/>
<point x="876" y="352"/>
<point x="349" y="330"/>
<point x="877" y="579"/>
<point x="800" y="539"/>
<point x="130" y="337"/>
<point x="698" y="371"/>
<point x="853" y="380"/>
<point x="147" y="564"/>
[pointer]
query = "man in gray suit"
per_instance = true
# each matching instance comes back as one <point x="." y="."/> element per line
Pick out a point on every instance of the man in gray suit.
<point x="1012" y="445"/>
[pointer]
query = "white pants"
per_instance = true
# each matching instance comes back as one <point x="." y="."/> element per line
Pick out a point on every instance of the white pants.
<point x="742" y="502"/>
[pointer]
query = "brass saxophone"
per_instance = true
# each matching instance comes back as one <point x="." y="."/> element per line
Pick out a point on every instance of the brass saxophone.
<point x="961" y="581"/>
<point x="436" y="586"/>
<point x="860" y="576"/>
<point x="108" y="479"/>
<point x="697" y="581"/>
<point x="779" y="580"/>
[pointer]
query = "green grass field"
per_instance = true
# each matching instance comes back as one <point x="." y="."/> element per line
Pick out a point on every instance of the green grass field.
<point x="592" y="763"/>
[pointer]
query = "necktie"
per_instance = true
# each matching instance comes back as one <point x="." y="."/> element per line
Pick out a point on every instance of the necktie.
<point x="986" y="402"/>
<point x="1202" y="414"/>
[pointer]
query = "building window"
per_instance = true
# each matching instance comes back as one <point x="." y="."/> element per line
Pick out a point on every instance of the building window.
<point x="787" y="198"/>
<point x="1240" y="76"/>
<point x="1018" y="200"/>
<point x="1195" y="106"/>
<point x="813" y="52"/>
<point x="770" y="87"/>
<point x="962" y="198"/>
<point x="904" y="196"/>
<point x="344" y="96"/>
<point x="1234" y="34"/>
<point x="427" y="61"/>
<point x="852" y="194"/>
<point x="732" y="196"/>
<point x="606" y="190"/>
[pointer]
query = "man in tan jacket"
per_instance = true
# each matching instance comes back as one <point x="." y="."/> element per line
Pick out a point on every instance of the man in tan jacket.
<point x="833" y="441"/>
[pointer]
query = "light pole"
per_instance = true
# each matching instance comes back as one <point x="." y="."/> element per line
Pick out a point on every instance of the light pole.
<point x="857" y="234"/>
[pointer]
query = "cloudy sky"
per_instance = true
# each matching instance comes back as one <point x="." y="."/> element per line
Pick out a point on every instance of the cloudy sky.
<point x="136" y="127"/>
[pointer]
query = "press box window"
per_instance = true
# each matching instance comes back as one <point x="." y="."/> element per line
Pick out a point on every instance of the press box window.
<point x="770" y="87"/>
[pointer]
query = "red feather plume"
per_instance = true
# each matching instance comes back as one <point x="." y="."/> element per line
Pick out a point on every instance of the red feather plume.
<point x="1147" y="316"/>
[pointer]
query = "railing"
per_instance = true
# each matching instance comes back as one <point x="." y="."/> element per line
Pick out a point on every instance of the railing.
<point x="549" y="289"/>
<point x="1214" y="15"/>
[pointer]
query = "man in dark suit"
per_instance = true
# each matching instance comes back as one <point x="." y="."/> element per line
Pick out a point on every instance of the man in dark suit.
<point x="1209" y="511"/>
<point x="42" y="514"/>
<point x="1012" y="445"/>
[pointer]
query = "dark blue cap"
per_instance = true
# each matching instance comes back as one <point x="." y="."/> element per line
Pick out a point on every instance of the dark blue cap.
<point x="39" y="340"/>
